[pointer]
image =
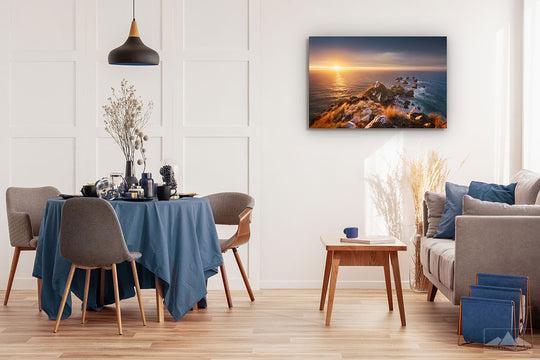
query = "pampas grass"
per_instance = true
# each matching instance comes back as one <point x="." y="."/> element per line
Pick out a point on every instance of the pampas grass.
<point x="386" y="192"/>
<point x="422" y="173"/>
<point x="427" y="173"/>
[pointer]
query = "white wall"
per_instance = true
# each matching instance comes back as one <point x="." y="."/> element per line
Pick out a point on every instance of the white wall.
<point x="531" y="77"/>
<point x="313" y="179"/>
<point x="231" y="93"/>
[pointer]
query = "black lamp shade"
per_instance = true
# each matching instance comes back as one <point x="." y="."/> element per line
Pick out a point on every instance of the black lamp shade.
<point x="133" y="51"/>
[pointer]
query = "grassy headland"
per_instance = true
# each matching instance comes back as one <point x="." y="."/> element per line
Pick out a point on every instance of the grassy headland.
<point x="378" y="107"/>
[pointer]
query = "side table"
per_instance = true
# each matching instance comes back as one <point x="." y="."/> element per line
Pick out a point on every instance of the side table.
<point x="351" y="254"/>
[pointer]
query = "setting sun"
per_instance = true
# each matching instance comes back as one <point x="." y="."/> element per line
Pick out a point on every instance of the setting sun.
<point x="337" y="67"/>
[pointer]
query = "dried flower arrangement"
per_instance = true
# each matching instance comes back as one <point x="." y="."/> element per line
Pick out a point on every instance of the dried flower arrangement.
<point x="125" y="118"/>
<point x="426" y="173"/>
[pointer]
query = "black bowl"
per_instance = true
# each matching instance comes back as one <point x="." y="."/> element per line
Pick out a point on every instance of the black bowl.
<point x="89" y="191"/>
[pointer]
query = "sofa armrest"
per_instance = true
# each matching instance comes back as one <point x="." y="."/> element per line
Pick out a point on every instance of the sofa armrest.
<point x="495" y="244"/>
<point x="20" y="229"/>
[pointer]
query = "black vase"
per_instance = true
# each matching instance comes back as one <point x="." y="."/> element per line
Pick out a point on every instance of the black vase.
<point x="147" y="183"/>
<point x="130" y="175"/>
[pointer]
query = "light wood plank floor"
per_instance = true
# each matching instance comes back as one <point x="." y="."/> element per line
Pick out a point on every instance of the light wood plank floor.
<point x="280" y="324"/>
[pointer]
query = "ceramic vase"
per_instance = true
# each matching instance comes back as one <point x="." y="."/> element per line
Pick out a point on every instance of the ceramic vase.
<point x="147" y="183"/>
<point x="130" y="174"/>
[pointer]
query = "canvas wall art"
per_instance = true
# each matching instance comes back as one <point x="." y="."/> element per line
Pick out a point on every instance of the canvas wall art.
<point x="362" y="82"/>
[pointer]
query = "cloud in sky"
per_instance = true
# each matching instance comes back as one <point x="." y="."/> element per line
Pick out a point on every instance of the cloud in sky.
<point x="378" y="52"/>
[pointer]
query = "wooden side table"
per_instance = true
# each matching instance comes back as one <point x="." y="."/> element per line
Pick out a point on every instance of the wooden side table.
<point x="350" y="254"/>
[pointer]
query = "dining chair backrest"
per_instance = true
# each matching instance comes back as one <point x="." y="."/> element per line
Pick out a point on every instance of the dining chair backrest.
<point x="227" y="206"/>
<point x="233" y="208"/>
<point x="90" y="233"/>
<point x="31" y="201"/>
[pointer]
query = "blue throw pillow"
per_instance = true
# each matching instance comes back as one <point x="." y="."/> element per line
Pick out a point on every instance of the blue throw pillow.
<point x="492" y="192"/>
<point x="452" y="207"/>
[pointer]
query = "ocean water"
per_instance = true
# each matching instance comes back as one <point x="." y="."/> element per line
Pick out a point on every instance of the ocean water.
<point x="328" y="86"/>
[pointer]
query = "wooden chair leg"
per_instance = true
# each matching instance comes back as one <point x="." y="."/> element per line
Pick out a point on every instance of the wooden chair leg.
<point x="159" y="301"/>
<point x="117" y="299"/>
<point x="432" y="291"/>
<point x="64" y="297"/>
<point x="138" y="289"/>
<point x="85" y="299"/>
<point x="226" y="285"/>
<point x="243" y="272"/>
<point x="39" y="293"/>
<point x="14" y="263"/>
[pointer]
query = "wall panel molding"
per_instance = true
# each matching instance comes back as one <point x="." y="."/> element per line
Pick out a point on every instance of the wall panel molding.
<point x="31" y="101"/>
<point x="52" y="124"/>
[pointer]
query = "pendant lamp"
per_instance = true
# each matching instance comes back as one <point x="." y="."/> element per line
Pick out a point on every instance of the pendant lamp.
<point x="133" y="51"/>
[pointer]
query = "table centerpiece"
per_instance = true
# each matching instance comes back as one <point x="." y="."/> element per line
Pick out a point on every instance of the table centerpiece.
<point x="126" y="116"/>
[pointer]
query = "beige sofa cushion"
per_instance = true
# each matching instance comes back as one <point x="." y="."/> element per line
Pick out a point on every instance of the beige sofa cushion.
<point x="438" y="258"/>
<point x="425" y="249"/>
<point x="446" y="265"/>
<point x="441" y="261"/>
<point x="435" y="207"/>
<point x="472" y="206"/>
<point x="527" y="188"/>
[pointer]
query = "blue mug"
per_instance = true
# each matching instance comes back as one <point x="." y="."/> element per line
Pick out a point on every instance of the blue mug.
<point x="351" y="232"/>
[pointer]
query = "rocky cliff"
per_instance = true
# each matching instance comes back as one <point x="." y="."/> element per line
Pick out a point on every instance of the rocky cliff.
<point x="378" y="107"/>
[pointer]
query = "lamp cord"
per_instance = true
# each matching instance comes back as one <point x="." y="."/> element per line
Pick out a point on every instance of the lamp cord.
<point x="133" y="9"/>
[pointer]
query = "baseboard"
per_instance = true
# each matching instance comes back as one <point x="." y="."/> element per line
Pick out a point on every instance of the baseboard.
<point x="215" y="283"/>
<point x="314" y="284"/>
<point x="26" y="283"/>
<point x="237" y="284"/>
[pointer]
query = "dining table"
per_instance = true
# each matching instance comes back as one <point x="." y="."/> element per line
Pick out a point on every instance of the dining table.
<point x="179" y="246"/>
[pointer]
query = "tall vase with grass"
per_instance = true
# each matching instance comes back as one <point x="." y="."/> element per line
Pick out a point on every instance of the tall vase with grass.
<point x="126" y="115"/>
<point x="424" y="173"/>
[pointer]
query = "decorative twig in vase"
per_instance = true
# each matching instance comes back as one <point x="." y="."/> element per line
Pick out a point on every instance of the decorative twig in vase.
<point x="125" y="117"/>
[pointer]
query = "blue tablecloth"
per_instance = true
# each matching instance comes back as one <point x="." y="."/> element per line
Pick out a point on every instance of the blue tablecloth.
<point x="178" y="242"/>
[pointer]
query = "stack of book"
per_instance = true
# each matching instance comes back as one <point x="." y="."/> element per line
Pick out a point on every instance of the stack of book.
<point x="370" y="239"/>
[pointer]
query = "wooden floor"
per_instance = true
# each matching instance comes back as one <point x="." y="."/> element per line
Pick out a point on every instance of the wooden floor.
<point x="280" y="324"/>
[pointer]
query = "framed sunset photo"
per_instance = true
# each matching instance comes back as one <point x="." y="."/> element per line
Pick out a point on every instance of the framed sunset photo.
<point x="364" y="82"/>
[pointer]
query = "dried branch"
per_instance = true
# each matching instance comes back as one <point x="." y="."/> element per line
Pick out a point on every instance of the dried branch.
<point x="125" y="117"/>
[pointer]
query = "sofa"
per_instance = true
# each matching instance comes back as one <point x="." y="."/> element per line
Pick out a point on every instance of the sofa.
<point x="501" y="239"/>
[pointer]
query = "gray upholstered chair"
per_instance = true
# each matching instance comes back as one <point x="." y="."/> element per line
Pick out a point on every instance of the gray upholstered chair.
<point x="91" y="238"/>
<point x="25" y="208"/>
<point x="232" y="208"/>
